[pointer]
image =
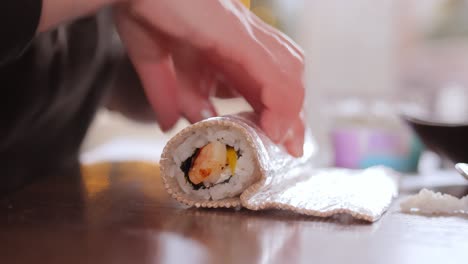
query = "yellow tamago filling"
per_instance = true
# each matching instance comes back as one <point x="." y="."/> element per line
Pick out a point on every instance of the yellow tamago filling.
<point x="231" y="159"/>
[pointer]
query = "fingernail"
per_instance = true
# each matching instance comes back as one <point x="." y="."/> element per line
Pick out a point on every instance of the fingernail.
<point x="275" y="132"/>
<point x="206" y="113"/>
<point x="164" y="128"/>
<point x="275" y="135"/>
<point x="271" y="127"/>
<point x="287" y="137"/>
<point x="297" y="150"/>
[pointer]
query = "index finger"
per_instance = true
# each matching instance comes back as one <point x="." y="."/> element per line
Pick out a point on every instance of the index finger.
<point x="268" y="71"/>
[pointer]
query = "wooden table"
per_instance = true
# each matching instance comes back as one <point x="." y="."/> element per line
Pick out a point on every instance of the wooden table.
<point x="119" y="213"/>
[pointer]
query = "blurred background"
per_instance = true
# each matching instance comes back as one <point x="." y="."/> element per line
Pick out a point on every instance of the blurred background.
<point x="367" y="63"/>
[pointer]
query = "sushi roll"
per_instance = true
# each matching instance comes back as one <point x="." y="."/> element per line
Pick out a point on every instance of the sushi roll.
<point x="229" y="162"/>
<point x="211" y="163"/>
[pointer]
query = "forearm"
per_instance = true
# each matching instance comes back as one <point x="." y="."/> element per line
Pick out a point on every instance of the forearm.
<point x="55" y="12"/>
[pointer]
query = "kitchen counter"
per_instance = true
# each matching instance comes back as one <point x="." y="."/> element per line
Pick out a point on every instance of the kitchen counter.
<point x="119" y="213"/>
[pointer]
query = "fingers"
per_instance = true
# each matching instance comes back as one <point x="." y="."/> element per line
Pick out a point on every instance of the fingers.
<point x="267" y="70"/>
<point x="225" y="91"/>
<point x="223" y="88"/>
<point x="161" y="88"/>
<point x="269" y="122"/>
<point x="281" y="38"/>
<point x="194" y="105"/>
<point x="154" y="67"/>
<point x="259" y="62"/>
<point x="196" y="82"/>
<point x="283" y="90"/>
<point x="294" y="140"/>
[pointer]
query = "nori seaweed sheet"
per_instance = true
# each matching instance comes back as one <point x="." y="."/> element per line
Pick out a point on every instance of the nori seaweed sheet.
<point x="185" y="167"/>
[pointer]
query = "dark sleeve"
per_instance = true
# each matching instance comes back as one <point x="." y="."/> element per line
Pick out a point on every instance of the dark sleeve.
<point x="19" y="20"/>
<point x="50" y="95"/>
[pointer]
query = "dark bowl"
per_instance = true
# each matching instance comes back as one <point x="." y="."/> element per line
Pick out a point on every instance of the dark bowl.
<point x="448" y="140"/>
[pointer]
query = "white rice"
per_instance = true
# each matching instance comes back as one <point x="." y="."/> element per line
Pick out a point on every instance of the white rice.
<point x="429" y="202"/>
<point x="245" y="167"/>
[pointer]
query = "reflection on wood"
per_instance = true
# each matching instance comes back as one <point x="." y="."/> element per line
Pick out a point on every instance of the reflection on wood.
<point x="95" y="179"/>
<point x="120" y="213"/>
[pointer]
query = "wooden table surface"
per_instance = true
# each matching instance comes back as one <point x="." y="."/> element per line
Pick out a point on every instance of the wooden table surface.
<point x="119" y="213"/>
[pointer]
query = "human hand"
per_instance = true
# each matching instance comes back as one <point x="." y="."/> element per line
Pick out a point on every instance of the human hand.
<point x="185" y="51"/>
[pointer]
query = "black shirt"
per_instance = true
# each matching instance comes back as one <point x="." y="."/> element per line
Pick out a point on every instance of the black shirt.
<point x="51" y="86"/>
<point x="18" y="23"/>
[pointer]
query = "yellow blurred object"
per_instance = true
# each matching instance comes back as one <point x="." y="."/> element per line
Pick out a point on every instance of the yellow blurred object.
<point x="95" y="178"/>
<point x="265" y="14"/>
<point x="246" y="3"/>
